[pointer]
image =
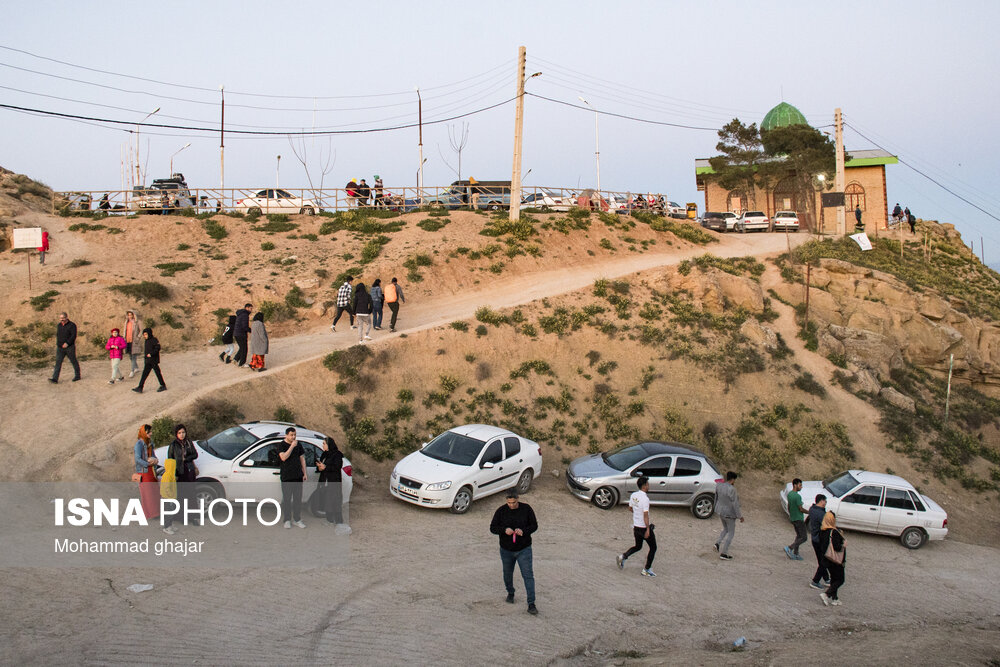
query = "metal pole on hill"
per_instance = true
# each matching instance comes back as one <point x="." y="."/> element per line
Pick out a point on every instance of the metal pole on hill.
<point x="420" y="146"/>
<point x="515" y="179"/>
<point x="839" y="178"/>
<point x="947" y="396"/>
<point x="222" y="145"/>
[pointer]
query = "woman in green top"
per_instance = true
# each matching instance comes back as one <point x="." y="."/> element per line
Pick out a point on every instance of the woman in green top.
<point x="796" y="516"/>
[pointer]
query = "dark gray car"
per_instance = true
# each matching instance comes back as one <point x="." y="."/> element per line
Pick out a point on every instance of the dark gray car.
<point x="677" y="475"/>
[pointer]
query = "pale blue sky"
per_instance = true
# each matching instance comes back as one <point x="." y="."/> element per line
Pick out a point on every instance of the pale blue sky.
<point x="917" y="77"/>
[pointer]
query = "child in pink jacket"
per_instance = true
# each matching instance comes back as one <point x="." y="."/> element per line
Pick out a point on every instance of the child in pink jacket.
<point x="115" y="347"/>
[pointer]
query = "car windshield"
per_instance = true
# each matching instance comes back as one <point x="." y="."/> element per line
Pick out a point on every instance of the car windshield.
<point x="452" y="447"/>
<point x="840" y="484"/>
<point x="228" y="443"/>
<point x="753" y="214"/>
<point x="624" y="458"/>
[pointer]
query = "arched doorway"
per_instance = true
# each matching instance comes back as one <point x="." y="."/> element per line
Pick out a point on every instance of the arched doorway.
<point x="785" y="196"/>
<point x="855" y="195"/>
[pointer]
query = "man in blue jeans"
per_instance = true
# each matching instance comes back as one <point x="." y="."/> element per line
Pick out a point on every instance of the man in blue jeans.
<point x="514" y="523"/>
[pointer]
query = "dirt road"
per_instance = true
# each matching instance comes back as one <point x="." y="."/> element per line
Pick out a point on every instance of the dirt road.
<point x="49" y="432"/>
<point x="424" y="586"/>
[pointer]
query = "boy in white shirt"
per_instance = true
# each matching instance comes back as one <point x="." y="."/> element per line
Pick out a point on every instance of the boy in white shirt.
<point x="642" y="529"/>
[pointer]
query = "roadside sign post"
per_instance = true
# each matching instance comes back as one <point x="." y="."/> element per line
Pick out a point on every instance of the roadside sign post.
<point x="28" y="238"/>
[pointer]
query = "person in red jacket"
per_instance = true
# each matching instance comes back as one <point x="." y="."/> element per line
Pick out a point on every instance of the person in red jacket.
<point x="44" y="248"/>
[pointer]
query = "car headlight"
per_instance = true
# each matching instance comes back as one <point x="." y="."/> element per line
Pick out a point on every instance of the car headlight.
<point x="439" y="486"/>
<point x="582" y="480"/>
<point x="395" y="475"/>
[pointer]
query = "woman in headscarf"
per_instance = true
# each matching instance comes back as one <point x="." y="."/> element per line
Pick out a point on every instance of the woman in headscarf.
<point x="258" y="342"/>
<point x="145" y="467"/>
<point x="363" y="312"/>
<point x="182" y="451"/>
<point x="835" y="561"/>
<point x="330" y="464"/>
<point x="151" y="360"/>
<point x="132" y="333"/>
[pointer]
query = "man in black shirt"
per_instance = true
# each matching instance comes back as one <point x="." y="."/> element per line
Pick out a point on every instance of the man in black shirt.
<point x="815" y="520"/>
<point x="293" y="474"/>
<point x="240" y="332"/>
<point x="65" y="347"/>
<point x="514" y="523"/>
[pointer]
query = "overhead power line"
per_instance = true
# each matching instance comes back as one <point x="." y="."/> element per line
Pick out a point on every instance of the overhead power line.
<point x="618" y="115"/>
<point x="307" y="133"/>
<point x="929" y="178"/>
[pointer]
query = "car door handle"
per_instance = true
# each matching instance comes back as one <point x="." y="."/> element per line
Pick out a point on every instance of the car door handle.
<point x="873" y="509"/>
<point x="663" y="483"/>
<point x="276" y="473"/>
<point x="697" y="483"/>
<point x="909" y="514"/>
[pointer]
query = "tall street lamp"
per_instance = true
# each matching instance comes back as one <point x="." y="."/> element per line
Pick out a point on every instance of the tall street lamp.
<point x="276" y="168"/>
<point x="172" y="157"/>
<point x="597" y="142"/>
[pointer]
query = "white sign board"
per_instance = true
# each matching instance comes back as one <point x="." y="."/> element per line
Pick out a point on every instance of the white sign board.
<point x="28" y="237"/>
<point x="862" y="240"/>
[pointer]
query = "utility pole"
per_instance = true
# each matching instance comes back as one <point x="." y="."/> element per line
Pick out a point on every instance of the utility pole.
<point x="222" y="145"/>
<point x="420" y="144"/>
<point x="838" y="184"/>
<point x="515" y="179"/>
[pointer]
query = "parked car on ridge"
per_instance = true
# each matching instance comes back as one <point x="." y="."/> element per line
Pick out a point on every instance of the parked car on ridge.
<point x="714" y="220"/>
<point x="752" y="220"/>
<point x="274" y="200"/>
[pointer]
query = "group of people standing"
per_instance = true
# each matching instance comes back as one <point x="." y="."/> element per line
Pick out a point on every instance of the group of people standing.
<point x="359" y="193"/>
<point x="130" y="340"/>
<point x="827" y="542"/>
<point x="367" y="305"/>
<point x="249" y="336"/>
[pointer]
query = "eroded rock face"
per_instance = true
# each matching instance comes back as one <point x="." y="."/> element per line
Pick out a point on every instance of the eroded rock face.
<point x="901" y="401"/>
<point x="759" y="334"/>
<point x="878" y="322"/>
<point x="714" y="290"/>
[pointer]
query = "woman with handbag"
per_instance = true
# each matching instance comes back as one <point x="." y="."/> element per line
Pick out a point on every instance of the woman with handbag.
<point x="145" y="472"/>
<point x="833" y="546"/>
<point x="182" y="451"/>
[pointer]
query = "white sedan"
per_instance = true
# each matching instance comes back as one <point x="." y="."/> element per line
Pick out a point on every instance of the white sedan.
<point x="464" y="464"/>
<point x="751" y="220"/>
<point x="545" y="200"/>
<point x="786" y="220"/>
<point x="275" y="201"/>
<point x="242" y="462"/>
<point x="873" y="502"/>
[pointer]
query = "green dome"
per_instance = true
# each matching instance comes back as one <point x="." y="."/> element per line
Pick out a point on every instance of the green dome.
<point x="781" y="116"/>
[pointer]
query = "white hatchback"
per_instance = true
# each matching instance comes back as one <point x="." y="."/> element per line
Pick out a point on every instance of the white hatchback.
<point x="464" y="464"/>
<point x="873" y="502"/>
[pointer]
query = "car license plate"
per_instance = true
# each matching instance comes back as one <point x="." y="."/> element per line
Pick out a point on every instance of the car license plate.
<point x="406" y="492"/>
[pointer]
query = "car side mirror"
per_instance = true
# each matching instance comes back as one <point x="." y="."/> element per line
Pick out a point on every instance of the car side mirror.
<point x="636" y="473"/>
<point x="424" y="445"/>
<point x="248" y="463"/>
<point x="486" y="464"/>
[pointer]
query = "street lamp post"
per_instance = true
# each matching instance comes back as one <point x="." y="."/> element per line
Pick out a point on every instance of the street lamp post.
<point x="597" y="143"/>
<point x="276" y="168"/>
<point x="175" y="153"/>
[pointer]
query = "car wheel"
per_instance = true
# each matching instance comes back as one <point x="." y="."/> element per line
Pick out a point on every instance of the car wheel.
<point x="524" y="482"/>
<point x="703" y="506"/>
<point x="741" y="229"/>
<point x="493" y="206"/>
<point x="913" y="538"/>
<point x="253" y="211"/>
<point x="207" y="491"/>
<point x="605" y="498"/>
<point x="308" y="210"/>
<point x="462" y="501"/>
<point x="545" y="209"/>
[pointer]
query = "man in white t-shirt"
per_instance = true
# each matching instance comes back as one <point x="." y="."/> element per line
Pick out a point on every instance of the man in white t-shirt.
<point x="642" y="529"/>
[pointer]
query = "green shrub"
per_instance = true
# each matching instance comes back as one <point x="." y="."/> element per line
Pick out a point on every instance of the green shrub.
<point x="163" y="431"/>
<point x="214" y="229"/>
<point x="295" y="298"/>
<point x="372" y="248"/>
<point x="481" y="330"/>
<point x="460" y="326"/>
<point x="267" y="245"/>
<point x="404" y="396"/>
<point x="347" y="363"/>
<point x="145" y="291"/>
<point x="431" y="225"/>
<point x="168" y="318"/>
<point x="807" y="383"/>
<point x="284" y="414"/>
<point x="43" y="301"/>
<point x="171" y="268"/>
<point x="274" y="311"/>
<point x="76" y="263"/>
<point x="487" y="315"/>
<point x="539" y="366"/>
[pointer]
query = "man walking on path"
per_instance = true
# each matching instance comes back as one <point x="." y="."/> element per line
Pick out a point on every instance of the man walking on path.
<point x="727" y="504"/>
<point x="816" y="514"/>
<point x="344" y="303"/>
<point x="393" y="297"/>
<point x="642" y="529"/>
<point x="65" y="347"/>
<point x="796" y="515"/>
<point x="514" y="523"/>
<point x="293" y="476"/>
<point x="240" y="333"/>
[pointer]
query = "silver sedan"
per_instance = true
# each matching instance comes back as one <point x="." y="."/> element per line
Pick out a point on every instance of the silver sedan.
<point x="677" y="475"/>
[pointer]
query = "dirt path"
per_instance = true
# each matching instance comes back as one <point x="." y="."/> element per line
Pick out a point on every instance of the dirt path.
<point x="424" y="586"/>
<point x="50" y="431"/>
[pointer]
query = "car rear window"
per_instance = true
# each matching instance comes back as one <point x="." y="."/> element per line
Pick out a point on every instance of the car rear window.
<point x="754" y="214"/>
<point x="686" y="467"/>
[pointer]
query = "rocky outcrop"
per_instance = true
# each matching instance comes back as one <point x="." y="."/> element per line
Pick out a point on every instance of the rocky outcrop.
<point x="878" y="322"/>
<point x="901" y="401"/>
<point x="717" y="291"/>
